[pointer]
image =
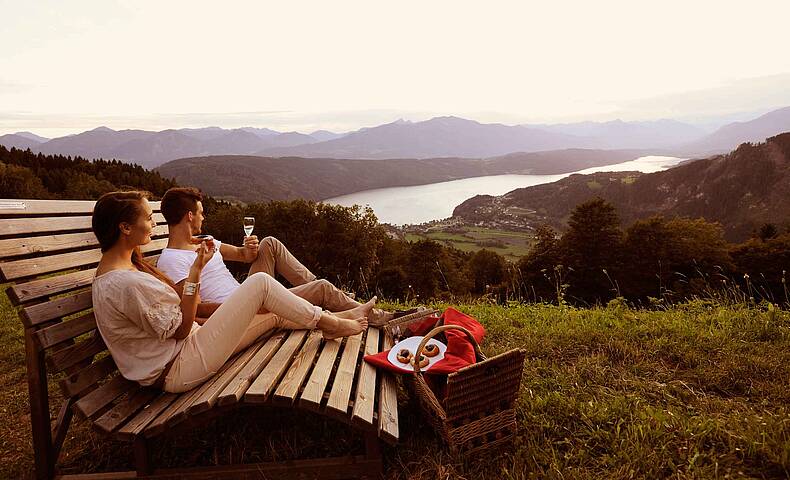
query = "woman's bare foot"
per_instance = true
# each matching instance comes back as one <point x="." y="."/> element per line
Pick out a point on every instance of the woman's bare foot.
<point x="360" y="311"/>
<point x="333" y="326"/>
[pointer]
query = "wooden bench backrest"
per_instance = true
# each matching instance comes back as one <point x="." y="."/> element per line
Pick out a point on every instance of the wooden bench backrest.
<point x="49" y="254"/>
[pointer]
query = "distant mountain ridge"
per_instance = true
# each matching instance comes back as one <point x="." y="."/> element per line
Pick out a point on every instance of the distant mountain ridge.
<point x="150" y="149"/>
<point x="743" y="190"/>
<point x="438" y="137"/>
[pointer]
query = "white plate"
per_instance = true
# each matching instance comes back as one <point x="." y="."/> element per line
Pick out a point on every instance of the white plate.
<point x="411" y="345"/>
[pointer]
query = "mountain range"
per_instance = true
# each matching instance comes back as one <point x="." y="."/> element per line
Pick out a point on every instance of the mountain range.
<point x="437" y="137"/>
<point x="742" y="190"/>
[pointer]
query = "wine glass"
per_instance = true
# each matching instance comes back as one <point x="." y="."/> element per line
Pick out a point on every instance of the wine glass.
<point x="249" y="224"/>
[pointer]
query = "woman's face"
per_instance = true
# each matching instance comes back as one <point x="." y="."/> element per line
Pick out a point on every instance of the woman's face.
<point x="140" y="232"/>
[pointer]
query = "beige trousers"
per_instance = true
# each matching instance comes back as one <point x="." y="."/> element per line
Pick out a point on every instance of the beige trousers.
<point x="234" y="326"/>
<point x="245" y="316"/>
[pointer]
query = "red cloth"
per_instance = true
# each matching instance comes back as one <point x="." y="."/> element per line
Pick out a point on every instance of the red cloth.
<point x="459" y="353"/>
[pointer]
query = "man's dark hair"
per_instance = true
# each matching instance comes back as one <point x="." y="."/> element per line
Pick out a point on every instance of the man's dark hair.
<point x="176" y="202"/>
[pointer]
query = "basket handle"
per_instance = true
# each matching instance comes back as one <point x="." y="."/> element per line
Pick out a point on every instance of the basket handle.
<point x="478" y="354"/>
<point x="420" y="383"/>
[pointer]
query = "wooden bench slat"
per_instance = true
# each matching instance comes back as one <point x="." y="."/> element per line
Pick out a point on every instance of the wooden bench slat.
<point x="263" y="386"/>
<point x="365" y="397"/>
<point x="242" y="381"/>
<point x="74" y="354"/>
<point x="344" y="378"/>
<point x="209" y="397"/>
<point x="28" y="226"/>
<point x="180" y="403"/>
<point x="313" y="392"/>
<point x="119" y="413"/>
<point x="49" y="336"/>
<point x="78" y="382"/>
<point x="60" y="307"/>
<point x="46" y="244"/>
<point x="388" y="398"/>
<point x="136" y="425"/>
<point x="10" y="206"/>
<point x="289" y="386"/>
<point x="44" y="287"/>
<point x="63" y="261"/>
<point x="179" y="413"/>
<point x="96" y="400"/>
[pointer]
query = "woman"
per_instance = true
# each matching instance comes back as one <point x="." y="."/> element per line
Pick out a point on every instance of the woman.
<point x="151" y="331"/>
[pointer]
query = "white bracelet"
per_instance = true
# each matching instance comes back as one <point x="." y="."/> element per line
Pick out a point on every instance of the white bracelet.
<point x="191" y="288"/>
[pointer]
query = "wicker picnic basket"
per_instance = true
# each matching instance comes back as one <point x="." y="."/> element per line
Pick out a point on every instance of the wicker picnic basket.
<point x="476" y="409"/>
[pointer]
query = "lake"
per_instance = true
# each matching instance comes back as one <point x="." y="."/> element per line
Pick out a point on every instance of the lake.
<point x="435" y="201"/>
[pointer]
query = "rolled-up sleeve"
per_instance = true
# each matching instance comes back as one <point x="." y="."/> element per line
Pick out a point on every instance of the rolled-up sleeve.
<point x="164" y="319"/>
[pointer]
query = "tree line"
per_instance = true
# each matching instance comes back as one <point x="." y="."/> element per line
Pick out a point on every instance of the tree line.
<point x="593" y="261"/>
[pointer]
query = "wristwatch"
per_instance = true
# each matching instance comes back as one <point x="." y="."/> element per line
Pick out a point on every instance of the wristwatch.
<point x="191" y="288"/>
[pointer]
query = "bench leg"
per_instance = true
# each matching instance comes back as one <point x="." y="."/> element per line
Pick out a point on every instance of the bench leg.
<point x="45" y="458"/>
<point x="142" y="457"/>
<point x="373" y="452"/>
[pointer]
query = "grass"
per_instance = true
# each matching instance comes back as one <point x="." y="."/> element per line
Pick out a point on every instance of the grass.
<point x="697" y="390"/>
<point x="514" y="244"/>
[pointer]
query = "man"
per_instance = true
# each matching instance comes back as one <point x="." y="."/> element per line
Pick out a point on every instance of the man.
<point x="183" y="211"/>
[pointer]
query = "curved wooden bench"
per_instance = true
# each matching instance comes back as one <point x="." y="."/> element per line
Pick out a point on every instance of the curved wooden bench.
<point x="49" y="253"/>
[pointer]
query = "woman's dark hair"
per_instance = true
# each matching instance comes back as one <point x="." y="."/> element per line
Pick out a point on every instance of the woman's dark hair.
<point x="114" y="208"/>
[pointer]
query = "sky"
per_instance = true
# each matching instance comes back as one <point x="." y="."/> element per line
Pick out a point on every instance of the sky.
<point x="341" y="65"/>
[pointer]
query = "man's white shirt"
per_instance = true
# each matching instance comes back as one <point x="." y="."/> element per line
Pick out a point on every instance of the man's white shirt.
<point x="216" y="281"/>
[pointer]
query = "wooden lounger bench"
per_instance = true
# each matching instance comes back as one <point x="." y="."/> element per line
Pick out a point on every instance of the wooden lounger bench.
<point x="49" y="254"/>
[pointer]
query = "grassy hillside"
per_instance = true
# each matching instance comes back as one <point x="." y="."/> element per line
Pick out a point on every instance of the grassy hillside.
<point x="256" y="179"/>
<point x="742" y="190"/>
<point x="698" y="390"/>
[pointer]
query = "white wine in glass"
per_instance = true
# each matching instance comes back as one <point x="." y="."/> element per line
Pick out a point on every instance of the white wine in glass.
<point x="249" y="224"/>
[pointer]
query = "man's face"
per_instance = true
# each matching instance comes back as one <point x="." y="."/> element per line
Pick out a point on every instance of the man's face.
<point x="197" y="219"/>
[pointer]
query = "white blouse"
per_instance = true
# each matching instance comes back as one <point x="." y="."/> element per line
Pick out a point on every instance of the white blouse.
<point x="137" y="315"/>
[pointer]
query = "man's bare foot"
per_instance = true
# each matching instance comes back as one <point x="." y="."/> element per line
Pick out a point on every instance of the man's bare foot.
<point x="360" y="311"/>
<point x="337" y="327"/>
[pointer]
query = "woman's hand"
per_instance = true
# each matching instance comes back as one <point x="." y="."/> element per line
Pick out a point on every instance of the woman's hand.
<point x="204" y="253"/>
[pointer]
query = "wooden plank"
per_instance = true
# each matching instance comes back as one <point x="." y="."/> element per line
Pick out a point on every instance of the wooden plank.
<point x="28" y="226"/>
<point x="178" y="413"/>
<point x="74" y="354"/>
<point x="78" y="382"/>
<point x="60" y="307"/>
<point x="136" y="425"/>
<point x="36" y="266"/>
<point x="388" y="398"/>
<point x="157" y="426"/>
<point x="344" y="379"/>
<point x="49" y="336"/>
<point x="44" y="287"/>
<point x="332" y="468"/>
<point x="53" y="243"/>
<point x="239" y="385"/>
<point x="96" y="400"/>
<point x="209" y="397"/>
<point x="23" y="207"/>
<point x="264" y="385"/>
<point x="314" y="389"/>
<point x="289" y="386"/>
<point x="120" y="412"/>
<point x="366" y="385"/>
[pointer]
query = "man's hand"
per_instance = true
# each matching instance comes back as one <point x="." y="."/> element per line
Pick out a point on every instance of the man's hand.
<point x="250" y="248"/>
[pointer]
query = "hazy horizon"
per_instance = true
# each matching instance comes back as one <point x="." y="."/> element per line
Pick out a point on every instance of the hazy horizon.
<point x="299" y="66"/>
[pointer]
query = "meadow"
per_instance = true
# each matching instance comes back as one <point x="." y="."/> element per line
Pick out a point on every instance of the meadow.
<point x="694" y="390"/>
<point x="510" y="244"/>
